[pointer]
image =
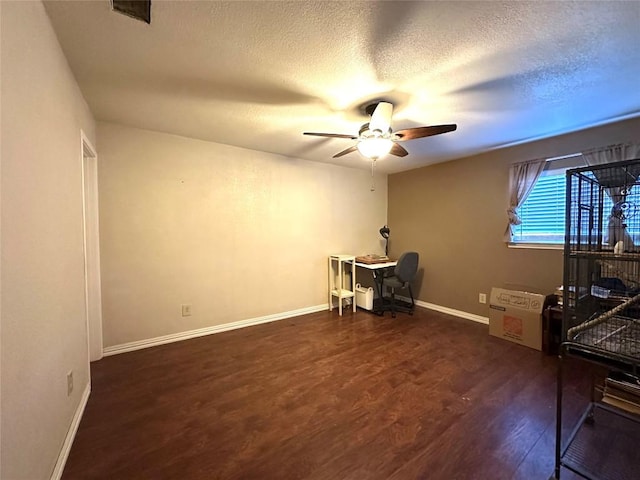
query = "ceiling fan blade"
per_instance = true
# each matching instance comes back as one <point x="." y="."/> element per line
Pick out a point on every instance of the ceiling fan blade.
<point x="332" y="135"/>
<point x="344" y="152"/>
<point x="419" y="132"/>
<point x="398" y="150"/>
<point x="381" y="117"/>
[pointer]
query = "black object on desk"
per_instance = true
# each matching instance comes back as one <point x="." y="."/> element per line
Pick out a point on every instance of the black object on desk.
<point x="385" y="232"/>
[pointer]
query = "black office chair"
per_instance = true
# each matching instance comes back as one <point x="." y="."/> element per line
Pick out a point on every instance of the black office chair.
<point x="402" y="276"/>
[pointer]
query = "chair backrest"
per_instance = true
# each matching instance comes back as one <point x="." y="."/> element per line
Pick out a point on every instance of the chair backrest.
<point x="407" y="266"/>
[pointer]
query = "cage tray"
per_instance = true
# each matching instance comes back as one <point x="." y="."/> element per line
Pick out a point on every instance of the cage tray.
<point x="606" y="448"/>
<point x="618" y="334"/>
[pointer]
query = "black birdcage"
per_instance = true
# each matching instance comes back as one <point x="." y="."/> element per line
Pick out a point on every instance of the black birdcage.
<point x="601" y="319"/>
<point x="602" y="257"/>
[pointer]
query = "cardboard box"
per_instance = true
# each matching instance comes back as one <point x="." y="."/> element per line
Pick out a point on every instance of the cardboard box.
<point x="516" y="316"/>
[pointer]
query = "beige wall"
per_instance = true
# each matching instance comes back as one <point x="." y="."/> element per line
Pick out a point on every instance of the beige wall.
<point x="454" y="215"/>
<point x="42" y="269"/>
<point x="237" y="234"/>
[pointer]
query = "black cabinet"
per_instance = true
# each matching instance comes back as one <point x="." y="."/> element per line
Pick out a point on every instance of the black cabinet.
<point x="552" y="329"/>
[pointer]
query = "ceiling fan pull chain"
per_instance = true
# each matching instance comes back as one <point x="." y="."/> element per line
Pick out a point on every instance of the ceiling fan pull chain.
<point x="373" y="178"/>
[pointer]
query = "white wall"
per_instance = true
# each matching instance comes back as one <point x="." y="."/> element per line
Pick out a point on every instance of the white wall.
<point x="42" y="270"/>
<point x="237" y="234"/>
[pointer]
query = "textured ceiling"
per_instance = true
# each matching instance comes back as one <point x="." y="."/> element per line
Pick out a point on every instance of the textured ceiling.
<point x="258" y="74"/>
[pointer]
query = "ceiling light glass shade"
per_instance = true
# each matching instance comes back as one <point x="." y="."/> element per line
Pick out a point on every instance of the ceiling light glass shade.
<point x="375" y="147"/>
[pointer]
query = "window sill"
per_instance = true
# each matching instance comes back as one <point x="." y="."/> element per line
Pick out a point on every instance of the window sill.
<point x="537" y="246"/>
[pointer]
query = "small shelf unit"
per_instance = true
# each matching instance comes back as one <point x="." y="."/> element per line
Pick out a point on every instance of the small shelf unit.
<point x="339" y="287"/>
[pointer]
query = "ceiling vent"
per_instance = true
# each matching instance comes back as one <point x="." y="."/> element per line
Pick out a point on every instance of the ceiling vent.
<point x="138" y="9"/>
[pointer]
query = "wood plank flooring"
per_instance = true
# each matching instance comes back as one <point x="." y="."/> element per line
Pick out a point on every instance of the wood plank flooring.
<point x="318" y="397"/>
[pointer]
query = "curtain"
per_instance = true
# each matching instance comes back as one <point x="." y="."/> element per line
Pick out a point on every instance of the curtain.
<point x="522" y="178"/>
<point x="616" y="229"/>
<point x="612" y="153"/>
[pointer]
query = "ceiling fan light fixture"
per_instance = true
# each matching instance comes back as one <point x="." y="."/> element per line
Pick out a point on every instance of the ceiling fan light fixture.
<point x="375" y="147"/>
<point x="376" y="138"/>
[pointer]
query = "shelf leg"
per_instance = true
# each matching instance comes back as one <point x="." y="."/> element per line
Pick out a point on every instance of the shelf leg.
<point x="341" y="286"/>
<point x="353" y="284"/>
<point x="330" y="285"/>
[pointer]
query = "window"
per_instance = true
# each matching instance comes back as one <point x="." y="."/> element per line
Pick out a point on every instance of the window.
<point x="543" y="212"/>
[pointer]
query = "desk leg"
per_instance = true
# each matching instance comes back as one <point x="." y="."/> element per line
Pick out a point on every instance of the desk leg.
<point x="377" y="279"/>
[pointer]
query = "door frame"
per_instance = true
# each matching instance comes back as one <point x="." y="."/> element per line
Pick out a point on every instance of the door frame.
<point x="91" y="247"/>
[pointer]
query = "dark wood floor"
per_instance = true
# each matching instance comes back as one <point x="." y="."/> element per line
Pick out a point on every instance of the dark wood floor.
<point x="322" y="397"/>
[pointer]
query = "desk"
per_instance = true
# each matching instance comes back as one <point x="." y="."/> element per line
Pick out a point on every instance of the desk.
<point x="377" y="270"/>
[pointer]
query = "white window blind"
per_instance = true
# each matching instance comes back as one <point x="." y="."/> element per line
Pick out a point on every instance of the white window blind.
<point x="543" y="212"/>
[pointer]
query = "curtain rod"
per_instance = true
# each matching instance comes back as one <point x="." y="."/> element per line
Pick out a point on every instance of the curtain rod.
<point x="591" y="150"/>
<point x="615" y="145"/>
<point x="577" y="154"/>
<point x="562" y="157"/>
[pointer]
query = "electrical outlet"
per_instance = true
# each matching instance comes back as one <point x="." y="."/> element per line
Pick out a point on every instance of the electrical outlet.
<point x="186" y="310"/>
<point x="69" y="382"/>
<point x="482" y="298"/>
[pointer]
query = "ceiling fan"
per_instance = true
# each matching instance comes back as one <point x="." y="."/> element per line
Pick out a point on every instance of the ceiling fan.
<point x="376" y="139"/>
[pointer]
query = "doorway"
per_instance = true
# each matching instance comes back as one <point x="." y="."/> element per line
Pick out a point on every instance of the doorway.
<point x="93" y="296"/>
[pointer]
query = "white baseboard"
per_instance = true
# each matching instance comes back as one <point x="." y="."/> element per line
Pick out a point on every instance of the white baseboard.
<point x="448" y="311"/>
<point x="176" y="337"/>
<point x="451" y="311"/>
<point x="71" y="434"/>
